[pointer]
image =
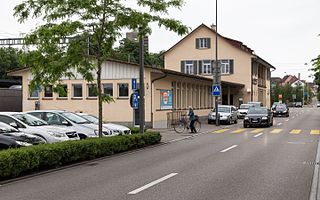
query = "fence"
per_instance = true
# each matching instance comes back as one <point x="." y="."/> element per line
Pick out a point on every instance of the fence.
<point x="10" y="100"/>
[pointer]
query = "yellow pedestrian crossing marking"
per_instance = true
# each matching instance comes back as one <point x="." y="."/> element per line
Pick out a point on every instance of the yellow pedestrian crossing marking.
<point x="315" y="132"/>
<point x="239" y="130"/>
<point x="221" y="130"/>
<point x="258" y="130"/>
<point x="276" y="130"/>
<point x="295" y="131"/>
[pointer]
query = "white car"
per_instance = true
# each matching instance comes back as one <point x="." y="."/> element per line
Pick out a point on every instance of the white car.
<point x="116" y="128"/>
<point x="243" y="110"/>
<point x="227" y="114"/>
<point x="30" y="124"/>
<point x="83" y="127"/>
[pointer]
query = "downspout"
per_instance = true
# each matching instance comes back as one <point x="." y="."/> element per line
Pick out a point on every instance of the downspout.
<point x="161" y="77"/>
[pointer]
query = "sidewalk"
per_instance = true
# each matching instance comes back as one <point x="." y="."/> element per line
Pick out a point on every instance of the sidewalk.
<point x="169" y="135"/>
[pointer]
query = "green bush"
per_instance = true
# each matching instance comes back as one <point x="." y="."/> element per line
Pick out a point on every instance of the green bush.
<point x="16" y="162"/>
<point x="135" y="130"/>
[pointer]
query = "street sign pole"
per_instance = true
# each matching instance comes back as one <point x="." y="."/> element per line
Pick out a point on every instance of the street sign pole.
<point x="216" y="74"/>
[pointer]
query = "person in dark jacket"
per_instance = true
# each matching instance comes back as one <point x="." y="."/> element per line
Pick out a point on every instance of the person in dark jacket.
<point x="192" y="119"/>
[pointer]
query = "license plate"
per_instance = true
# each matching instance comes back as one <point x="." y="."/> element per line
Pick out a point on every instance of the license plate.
<point x="254" y="121"/>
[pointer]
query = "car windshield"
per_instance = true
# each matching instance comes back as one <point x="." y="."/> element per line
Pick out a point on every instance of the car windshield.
<point x="281" y="106"/>
<point x="5" y="128"/>
<point x="223" y="109"/>
<point x="244" y="106"/>
<point x="30" y="120"/>
<point x="91" y="118"/>
<point x="75" y="118"/>
<point x="257" y="111"/>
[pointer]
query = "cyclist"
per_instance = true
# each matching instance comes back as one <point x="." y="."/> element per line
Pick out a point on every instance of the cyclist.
<point x="192" y="119"/>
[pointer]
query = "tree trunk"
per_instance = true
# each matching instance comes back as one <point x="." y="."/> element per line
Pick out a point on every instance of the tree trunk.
<point x="99" y="96"/>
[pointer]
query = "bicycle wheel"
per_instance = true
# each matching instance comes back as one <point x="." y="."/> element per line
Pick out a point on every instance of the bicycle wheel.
<point x="179" y="127"/>
<point x="197" y="126"/>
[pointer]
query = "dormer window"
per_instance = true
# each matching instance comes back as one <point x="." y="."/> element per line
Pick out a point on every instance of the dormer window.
<point x="203" y="43"/>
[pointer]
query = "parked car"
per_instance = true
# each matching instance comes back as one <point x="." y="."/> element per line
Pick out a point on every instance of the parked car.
<point x="30" y="124"/>
<point x="7" y="142"/>
<point x="298" y="104"/>
<point x="17" y="135"/>
<point x="228" y="114"/>
<point x="243" y="110"/>
<point x="318" y="104"/>
<point x="258" y="116"/>
<point x="83" y="127"/>
<point x="255" y="103"/>
<point x="281" y="110"/>
<point x="117" y="129"/>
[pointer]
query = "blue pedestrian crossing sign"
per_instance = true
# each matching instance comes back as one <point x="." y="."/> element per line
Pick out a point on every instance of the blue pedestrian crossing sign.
<point x="216" y="90"/>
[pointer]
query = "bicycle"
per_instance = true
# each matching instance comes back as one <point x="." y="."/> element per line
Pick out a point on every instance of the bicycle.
<point x="183" y="124"/>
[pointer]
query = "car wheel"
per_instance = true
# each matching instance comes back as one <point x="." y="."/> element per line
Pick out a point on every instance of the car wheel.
<point x="209" y="121"/>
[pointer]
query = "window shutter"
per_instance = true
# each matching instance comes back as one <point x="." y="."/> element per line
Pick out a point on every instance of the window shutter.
<point x="231" y="66"/>
<point x="197" y="43"/>
<point x="182" y="66"/>
<point x="200" y="66"/>
<point x="195" y="65"/>
<point x="209" y="42"/>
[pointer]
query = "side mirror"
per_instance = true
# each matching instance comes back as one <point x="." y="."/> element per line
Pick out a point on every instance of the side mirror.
<point x="14" y="125"/>
<point x="65" y="123"/>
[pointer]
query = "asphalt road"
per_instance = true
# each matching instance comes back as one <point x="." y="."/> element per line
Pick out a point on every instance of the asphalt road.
<point x="232" y="163"/>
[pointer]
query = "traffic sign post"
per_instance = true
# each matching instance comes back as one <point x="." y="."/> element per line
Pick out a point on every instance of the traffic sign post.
<point x="216" y="90"/>
<point x="134" y="100"/>
<point x="134" y="84"/>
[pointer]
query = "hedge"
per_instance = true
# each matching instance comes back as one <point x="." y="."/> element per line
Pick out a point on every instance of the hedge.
<point x="17" y="162"/>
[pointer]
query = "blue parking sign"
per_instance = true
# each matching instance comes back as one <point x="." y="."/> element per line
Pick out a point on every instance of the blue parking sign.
<point x="134" y="84"/>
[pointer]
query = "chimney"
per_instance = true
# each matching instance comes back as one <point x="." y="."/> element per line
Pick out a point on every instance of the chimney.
<point x="213" y="27"/>
<point x="299" y="76"/>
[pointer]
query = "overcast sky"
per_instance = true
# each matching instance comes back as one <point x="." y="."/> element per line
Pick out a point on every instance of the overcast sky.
<point x="283" y="32"/>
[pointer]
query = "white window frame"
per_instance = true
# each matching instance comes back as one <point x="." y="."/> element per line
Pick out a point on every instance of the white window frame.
<point x="203" y="43"/>
<point x="89" y="88"/>
<point x="188" y="67"/>
<point x="36" y="91"/>
<point x="206" y="67"/>
<point x="73" y="87"/>
<point x="225" y="66"/>
<point x="119" y="85"/>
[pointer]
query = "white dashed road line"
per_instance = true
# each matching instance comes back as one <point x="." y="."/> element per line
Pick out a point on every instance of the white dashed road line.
<point x="136" y="191"/>
<point x="227" y="149"/>
<point x="258" y="135"/>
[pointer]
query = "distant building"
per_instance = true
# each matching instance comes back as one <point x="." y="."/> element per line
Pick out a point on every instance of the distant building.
<point x="133" y="36"/>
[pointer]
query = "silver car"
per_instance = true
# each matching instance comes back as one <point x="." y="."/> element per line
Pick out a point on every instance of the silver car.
<point x="228" y="114"/>
<point x="83" y="127"/>
<point x="32" y="125"/>
<point x="117" y="129"/>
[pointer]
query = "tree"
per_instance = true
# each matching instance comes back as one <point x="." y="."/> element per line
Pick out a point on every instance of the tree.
<point x="129" y="51"/>
<point x="93" y="23"/>
<point x="10" y="58"/>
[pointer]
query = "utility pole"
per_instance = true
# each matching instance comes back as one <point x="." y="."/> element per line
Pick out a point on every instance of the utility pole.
<point x="216" y="76"/>
<point x="141" y="82"/>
